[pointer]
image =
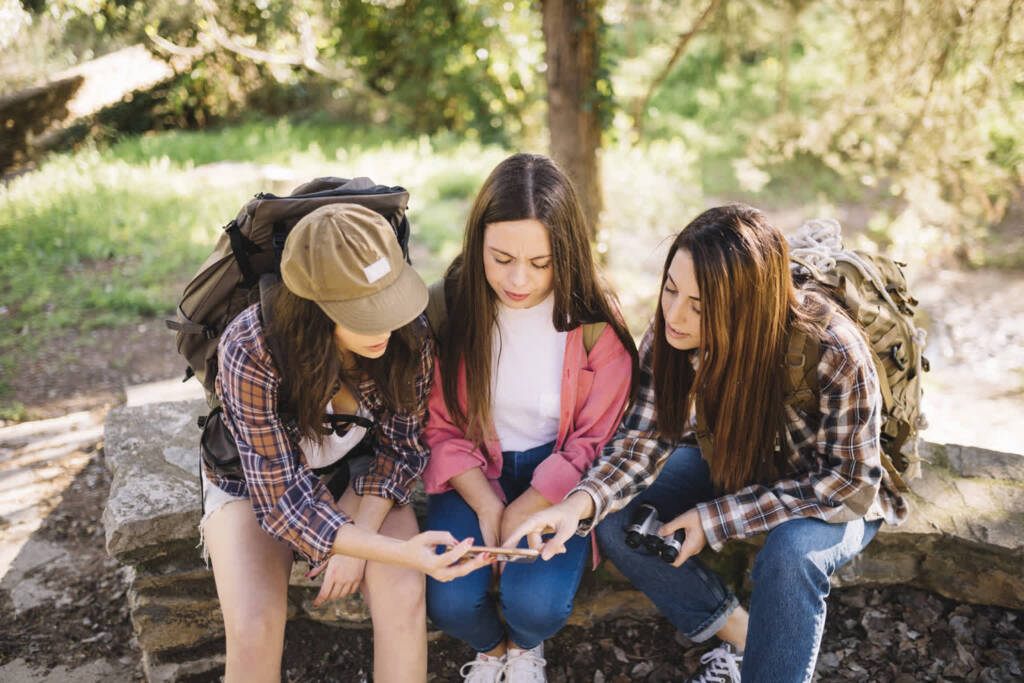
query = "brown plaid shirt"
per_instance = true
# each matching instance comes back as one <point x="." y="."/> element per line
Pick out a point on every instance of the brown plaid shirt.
<point x="835" y="472"/>
<point x="290" y="501"/>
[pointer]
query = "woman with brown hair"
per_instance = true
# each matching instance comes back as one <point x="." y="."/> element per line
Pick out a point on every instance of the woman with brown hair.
<point x="325" y="397"/>
<point x="713" y="370"/>
<point x="534" y="372"/>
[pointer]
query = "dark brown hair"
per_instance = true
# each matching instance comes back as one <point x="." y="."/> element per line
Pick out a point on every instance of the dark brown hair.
<point x="748" y="306"/>
<point x="308" y="359"/>
<point x="521" y="187"/>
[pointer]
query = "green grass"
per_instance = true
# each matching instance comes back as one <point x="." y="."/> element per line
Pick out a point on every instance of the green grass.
<point x="108" y="235"/>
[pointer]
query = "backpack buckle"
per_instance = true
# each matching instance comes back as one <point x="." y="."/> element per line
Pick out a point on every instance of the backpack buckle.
<point x="901" y="363"/>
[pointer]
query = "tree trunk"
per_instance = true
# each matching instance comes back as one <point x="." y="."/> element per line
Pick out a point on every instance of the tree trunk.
<point x="574" y="120"/>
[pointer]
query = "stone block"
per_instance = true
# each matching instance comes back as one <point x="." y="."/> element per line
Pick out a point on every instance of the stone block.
<point x="166" y="622"/>
<point x="970" y="461"/>
<point x="964" y="537"/>
<point x="153" y="454"/>
<point x="195" y="665"/>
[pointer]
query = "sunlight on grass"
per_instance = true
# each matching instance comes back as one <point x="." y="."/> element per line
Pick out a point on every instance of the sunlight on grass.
<point x="106" y="235"/>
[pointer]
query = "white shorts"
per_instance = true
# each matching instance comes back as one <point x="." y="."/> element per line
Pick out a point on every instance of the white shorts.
<point x="214" y="498"/>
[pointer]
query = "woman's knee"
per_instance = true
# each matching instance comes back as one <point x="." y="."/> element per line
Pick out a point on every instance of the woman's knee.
<point x="542" y="616"/>
<point x="255" y="630"/>
<point x="453" y="602"/>
<point x="394" y="588"/>
<point x="786" y="556"/>
<point x="611" y="537"/>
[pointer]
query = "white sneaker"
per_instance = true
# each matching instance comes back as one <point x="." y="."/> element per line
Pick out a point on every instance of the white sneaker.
<point x="483" y="669"/>
<point x="721" y="665"/>
<point x="525" y="666"/>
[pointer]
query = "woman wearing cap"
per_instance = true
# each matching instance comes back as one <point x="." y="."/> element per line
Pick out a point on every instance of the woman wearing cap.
<point x="808" y="479"/>
<point x="344" y="336"/>
<point x="522" y="405"/>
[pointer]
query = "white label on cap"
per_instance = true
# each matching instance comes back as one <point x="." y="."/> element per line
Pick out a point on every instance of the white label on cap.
<point x="376" y="271"/>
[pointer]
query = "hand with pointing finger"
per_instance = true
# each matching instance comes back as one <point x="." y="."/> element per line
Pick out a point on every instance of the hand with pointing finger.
<point x="562" y="520"/>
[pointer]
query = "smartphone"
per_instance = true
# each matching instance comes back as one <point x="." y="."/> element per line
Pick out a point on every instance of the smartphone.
<point x="504" y="554"/>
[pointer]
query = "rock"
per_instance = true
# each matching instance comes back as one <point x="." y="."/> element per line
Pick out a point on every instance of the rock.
<point x="198" y="667"/>
<point x="154" y="496"/>
<point x="969" y="461"/>
<point x="166" y="622"/>
<point x="965" y="535"/>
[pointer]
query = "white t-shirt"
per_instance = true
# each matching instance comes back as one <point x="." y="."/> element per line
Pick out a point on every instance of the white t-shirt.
<point x="333" y="447"/>
<point x="526" y="376"/>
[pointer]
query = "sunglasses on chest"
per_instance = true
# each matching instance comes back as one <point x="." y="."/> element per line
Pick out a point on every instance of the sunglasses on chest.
<point x="342" y="424"/>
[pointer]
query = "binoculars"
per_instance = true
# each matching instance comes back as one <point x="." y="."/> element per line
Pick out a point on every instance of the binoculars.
<point x="643" y="530"/>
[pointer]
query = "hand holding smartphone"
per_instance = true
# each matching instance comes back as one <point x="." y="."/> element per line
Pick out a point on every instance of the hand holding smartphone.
<point x="504" y="554"/>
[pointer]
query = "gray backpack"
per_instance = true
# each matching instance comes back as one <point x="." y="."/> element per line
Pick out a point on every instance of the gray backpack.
<point x="249" y="248"/>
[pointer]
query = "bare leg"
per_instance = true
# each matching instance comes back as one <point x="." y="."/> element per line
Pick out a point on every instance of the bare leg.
<point x="735" y="629"/>
<point x="397" y="602"/>
<point x="251" y="571"/>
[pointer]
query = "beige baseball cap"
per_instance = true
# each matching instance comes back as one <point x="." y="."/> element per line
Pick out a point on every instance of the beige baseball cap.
<point x="346" y="258"/>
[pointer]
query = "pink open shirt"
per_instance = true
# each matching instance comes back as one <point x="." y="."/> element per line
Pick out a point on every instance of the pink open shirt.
<point x="595" y="389"/>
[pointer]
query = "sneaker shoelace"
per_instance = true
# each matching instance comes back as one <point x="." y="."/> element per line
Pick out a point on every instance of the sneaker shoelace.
<point x="483" y="669"/>
<point x="525" y="663"/>
<point x="721" y="665"/>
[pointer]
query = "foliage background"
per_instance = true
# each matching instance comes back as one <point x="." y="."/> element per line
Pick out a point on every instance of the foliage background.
<point x="909" y="111"/>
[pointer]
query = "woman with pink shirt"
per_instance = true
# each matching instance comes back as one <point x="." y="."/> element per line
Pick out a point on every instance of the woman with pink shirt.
<point x="534" y="372"/>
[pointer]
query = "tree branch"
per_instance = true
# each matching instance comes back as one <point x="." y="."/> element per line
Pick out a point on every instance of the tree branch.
<point x="217" y="36"/>
<point x="640" y="107"/>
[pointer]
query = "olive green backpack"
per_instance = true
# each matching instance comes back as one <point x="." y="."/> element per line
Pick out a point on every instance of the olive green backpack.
<point x="872" y="289"/>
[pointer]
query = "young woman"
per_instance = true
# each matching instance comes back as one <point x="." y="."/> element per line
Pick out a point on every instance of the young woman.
<point x="524" y="400"/>
<point x="812" y="483"/>
<point x="347" y="339"/>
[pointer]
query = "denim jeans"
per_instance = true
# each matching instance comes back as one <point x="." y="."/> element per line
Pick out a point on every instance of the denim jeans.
<point x="790" y="575"/>
<point x="536" y="598"/>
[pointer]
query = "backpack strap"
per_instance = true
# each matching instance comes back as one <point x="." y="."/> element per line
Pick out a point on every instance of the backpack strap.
<point x="242" y="247"/>
<point x="437" y="306"/>
<point x="269" y="282"/>
<point x="591" y="333"/>
<point x="803" y="353"/>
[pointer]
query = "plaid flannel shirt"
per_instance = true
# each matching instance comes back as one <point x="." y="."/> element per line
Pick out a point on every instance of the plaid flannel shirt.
<point x="290" y="501"/>
<point x="834" y="470"/>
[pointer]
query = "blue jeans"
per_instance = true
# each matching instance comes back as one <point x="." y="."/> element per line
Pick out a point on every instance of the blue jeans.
<point x="536" y="598"/>
<point x="791" y="575"/>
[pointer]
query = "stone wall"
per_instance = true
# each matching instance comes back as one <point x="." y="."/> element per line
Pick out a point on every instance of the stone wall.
<point x="964" y="540"/>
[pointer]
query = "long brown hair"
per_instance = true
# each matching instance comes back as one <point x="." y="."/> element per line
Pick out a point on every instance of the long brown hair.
<point x="523" y="186"/>
<point x="308" y="359"/>
<point x="748" y="307"/>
